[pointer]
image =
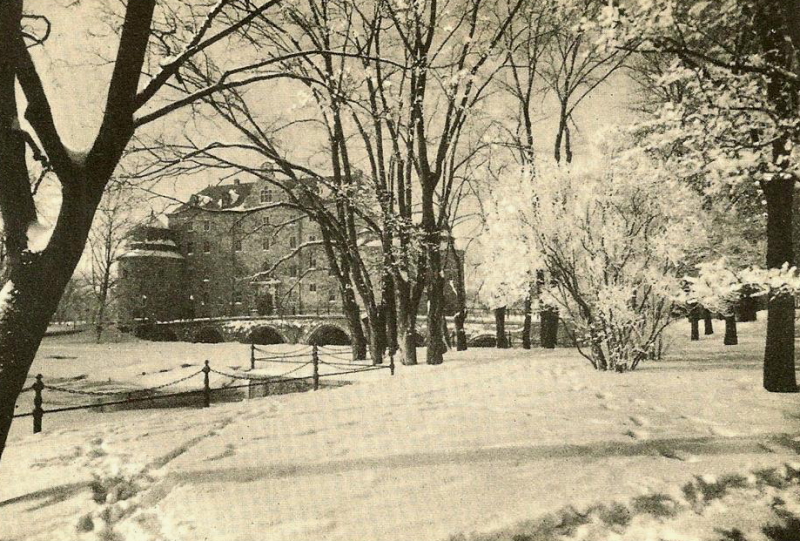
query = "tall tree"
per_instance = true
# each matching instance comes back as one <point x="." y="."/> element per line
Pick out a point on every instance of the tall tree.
<point x="35" y="277"/>
<point x="738" y="123"/>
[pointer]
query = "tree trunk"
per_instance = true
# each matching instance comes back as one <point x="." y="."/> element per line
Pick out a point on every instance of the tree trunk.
<point x="548" y="333"/>
<point x="353" y="315"/>
<point x="461" y="333"/>
<point x="776" y="43"/>
<point x="35" y="283"/>
<point x="527" y="324"/>
<point x="708" y="322"/>
<point x="408" y="341"/>
<point x="23" y="323"/>
<point x="779" y="370"/>
<point x="461" y="298"/>
<point x="695" y="323"/>
<point x="376" y="334"/>
<point x="434" y="353"/>
<point x="501" y="340"/>
<point x="731" y="336"/>
<point x="747" y="309"/>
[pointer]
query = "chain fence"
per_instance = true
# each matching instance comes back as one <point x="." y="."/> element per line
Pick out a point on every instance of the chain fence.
<point x="151" y="394"/>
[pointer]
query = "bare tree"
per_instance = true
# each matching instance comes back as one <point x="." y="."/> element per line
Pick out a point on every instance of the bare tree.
<point x="106" y="240"/>
<point x="35" y="279"/>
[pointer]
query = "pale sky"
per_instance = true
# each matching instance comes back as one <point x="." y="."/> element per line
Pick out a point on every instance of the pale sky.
<point x="76" y="81"/>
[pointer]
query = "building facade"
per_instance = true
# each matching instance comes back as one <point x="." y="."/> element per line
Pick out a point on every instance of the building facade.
<point x="234" y="250"/>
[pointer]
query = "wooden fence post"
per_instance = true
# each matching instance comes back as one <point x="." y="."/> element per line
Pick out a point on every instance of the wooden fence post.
<point x="391" y="364"/>
<point x="252" y="356"/>
<point x="315" y="361"/>
<point x="38" y="412"/>
<point x="206" y="386"/>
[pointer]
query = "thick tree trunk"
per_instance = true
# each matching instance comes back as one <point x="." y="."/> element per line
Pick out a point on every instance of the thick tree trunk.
<point x="731" y="336"/>
<point x="779" y="367"/>
<point x="527" y="324"/>
<point x="34" y="285"/>
<point x="501" y="340"/>
<point x="408" y="341"/>
<point x="376" y="335"/>
<point x="775" y="34"/>
<point x="708" y="322"/>
<point x="434" y="353"/>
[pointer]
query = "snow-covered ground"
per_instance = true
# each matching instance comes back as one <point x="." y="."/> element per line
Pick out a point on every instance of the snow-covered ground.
<point x="487" y="440"/>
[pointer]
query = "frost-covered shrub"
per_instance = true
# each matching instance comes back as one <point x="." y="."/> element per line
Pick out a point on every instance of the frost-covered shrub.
<point x="613" y="239"/>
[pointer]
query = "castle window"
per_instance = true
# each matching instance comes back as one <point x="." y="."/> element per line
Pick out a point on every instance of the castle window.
<point x="292" y="242"/>
<point x="312" y="287"/>
<point x="265" y="244"/>
<point x="331" y="271"/>
<point x="265" y="221"/>
<point x="124" y="273"/>
<point x="237" y="245"/>
<point x="293" y="271"/>
<point x="266" y="195"/>
<point x="207" y="247"/>
<point x="204" y="298"/>
<point x="312" y="261"/>
<point x="312" y="238"/>
<point x="190" y="226"/>
<point x="237" y="297"/>
<point x="331" y="296"/>
<point x="190" y="247"/>
<point x="206" y="226"/>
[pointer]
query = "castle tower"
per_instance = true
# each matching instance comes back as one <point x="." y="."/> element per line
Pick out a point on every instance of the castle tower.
<point x="152" y="274"/>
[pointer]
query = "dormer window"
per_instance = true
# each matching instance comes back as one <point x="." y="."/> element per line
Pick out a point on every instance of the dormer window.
<point x="266" y="195"/>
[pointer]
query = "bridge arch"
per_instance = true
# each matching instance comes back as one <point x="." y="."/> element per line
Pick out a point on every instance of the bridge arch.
<point x="483" y="341"/>
<point x="328" y="334"/>
<point x="208" y="335"/>
<point x="264" y="336"/>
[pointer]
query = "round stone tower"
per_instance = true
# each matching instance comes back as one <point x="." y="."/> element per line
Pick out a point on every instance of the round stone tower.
<point x="151" y="275"/>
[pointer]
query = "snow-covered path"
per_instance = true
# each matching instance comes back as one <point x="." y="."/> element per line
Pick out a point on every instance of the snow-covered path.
<point x="488" y="439"/>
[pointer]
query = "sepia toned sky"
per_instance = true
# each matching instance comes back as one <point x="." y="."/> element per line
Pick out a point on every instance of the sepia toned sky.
<point x="75" y="71"/>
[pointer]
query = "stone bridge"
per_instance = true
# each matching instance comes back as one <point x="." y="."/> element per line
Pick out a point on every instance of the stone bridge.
<point x="329" y="329"/>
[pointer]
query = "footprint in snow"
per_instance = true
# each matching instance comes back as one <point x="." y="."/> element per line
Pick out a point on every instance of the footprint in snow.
<point x="724" y="432"/>
<point x="604" y="395"/>
<point x="610" y="407"/>
<point x="639" y="421"/>
<point x="638" y="434"/>
<point x="676" y="454"/>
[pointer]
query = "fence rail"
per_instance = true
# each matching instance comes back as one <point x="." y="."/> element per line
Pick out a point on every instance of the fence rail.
<point x="311" y="353"/>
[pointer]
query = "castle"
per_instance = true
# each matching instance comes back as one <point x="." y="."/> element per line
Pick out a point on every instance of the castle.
<point x="233" y="250"/>
<point x="236" y="249"/>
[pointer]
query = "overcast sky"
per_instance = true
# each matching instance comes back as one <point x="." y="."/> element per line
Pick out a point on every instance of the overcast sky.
<point x="76" y="80"/>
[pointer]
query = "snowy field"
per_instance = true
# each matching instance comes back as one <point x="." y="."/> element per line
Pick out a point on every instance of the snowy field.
<point x="480" y="444"/>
